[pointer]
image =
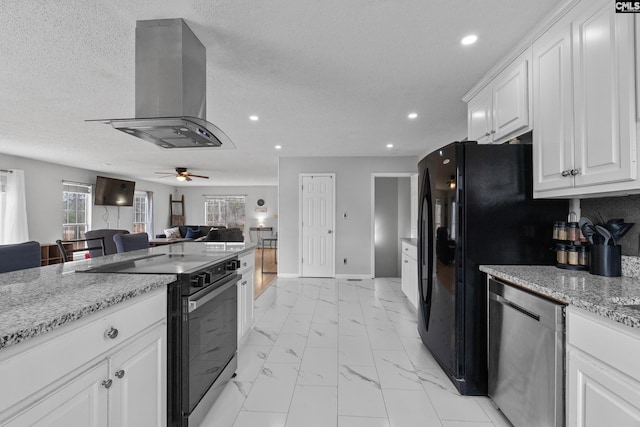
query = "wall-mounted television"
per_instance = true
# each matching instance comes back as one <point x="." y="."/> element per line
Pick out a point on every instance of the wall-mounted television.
<point x="114" y="192"/>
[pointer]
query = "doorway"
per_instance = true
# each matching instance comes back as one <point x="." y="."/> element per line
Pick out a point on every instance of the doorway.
<point x="317" y="220"/>
<point x="391" y="213"/>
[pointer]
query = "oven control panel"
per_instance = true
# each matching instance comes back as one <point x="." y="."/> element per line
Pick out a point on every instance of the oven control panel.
<point x="209" y="275"/>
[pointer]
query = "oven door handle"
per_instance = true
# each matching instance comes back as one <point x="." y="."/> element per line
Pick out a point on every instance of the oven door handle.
<point x="195" y="303"/>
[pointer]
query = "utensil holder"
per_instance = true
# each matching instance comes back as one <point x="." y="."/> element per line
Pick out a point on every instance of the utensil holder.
<point x="606" y="260"/>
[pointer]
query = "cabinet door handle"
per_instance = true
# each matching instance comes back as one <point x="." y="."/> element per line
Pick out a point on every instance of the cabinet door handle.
<point x="493" y="131"/>
<point x="120" y="373"/>
<point x="406" y="262"/>
<point x="111" y="333"/>
<point x="566" y="173"/>
<point x="107" y="383"/>
<point x="244" y="283"/>
<point x="575" y="172"/>
<point x="244" y="264"/>
<point x="487" y="134"/>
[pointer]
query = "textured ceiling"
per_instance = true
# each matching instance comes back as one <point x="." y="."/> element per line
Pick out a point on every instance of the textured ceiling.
<point x="326" y="78"/>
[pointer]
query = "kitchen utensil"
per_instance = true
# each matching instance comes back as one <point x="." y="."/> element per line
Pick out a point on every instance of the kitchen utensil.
<point x="605" y="233"/>
<point x="588" y="230"/>
<point x="618" y="228"/>
<point x="584" y="220"/>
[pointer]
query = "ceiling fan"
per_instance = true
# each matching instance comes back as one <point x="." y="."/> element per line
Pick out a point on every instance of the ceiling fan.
<point x="182" y="174"/>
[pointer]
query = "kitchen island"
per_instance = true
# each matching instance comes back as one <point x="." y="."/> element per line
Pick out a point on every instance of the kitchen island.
<point x="89" y="347"/>
<point x="602" y="382"/>
<point x="39" y="300"/>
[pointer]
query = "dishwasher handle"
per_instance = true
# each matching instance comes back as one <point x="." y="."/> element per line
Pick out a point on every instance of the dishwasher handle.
<point x="515" y="306"/>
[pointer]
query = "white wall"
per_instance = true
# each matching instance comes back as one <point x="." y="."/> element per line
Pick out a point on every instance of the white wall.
<point x="194" y="204"/>
<point x="43" y="182"/>
<point x="353" y="195"/>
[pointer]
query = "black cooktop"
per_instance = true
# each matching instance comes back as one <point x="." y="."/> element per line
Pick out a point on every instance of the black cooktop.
<point x="157" y="264"/>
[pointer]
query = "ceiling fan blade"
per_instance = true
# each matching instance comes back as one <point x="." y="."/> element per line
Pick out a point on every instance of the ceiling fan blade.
<point x="198" y="176"/>
<point x="166" y="173"/>
<point x="186" y="177"/>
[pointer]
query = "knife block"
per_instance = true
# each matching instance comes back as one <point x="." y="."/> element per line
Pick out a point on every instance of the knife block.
<point x="606" y="260"/>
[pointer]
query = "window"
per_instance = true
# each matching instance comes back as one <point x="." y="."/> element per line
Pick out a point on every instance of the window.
<point x="226" y="211"/>
<point x="76" y="205"/>
<point x="140" y="212"/>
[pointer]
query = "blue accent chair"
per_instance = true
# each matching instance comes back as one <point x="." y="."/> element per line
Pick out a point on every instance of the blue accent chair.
<point x="19" y="256"/>
<point x="131" y="242"/>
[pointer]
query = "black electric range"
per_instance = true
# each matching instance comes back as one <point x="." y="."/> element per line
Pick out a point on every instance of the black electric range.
<point x="202" y="318"/>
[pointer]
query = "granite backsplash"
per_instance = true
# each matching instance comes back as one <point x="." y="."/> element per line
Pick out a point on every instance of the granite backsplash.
<point x="628" y="208"/>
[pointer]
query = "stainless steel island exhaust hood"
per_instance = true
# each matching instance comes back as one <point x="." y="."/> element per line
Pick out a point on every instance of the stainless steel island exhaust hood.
<point x="171" y="89"/>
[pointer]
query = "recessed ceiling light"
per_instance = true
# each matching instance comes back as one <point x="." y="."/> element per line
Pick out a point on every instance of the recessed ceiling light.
<point x="413" y="115"/>
<point x="278" y="147"/>
<point x="389" y="145"/>
<point x="470" y="39"/>
<point x="254" y="118"/>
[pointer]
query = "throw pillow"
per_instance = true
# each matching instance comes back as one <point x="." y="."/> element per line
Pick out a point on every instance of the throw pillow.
<point x="192" y="233"/>
<point x="172" y="233"/>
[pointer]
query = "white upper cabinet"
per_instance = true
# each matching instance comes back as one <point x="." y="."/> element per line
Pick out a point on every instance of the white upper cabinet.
<point x="584" y="127"/>
<point x="511" y="100"/>
<point x="553" y="109"/>
<point x="604" y="96"/>
<point x="479" y="117"/>
<point x="501" y="110"/>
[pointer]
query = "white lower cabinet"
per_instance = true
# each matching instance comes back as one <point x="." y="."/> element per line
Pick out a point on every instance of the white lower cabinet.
<point x="246" y="294"/>
<point x="106" y="370"/>
<point x="409" y="280"/>
<point x="603" y="372"/>
<point x="137" y="396"/>
<point x="83" y="401"/>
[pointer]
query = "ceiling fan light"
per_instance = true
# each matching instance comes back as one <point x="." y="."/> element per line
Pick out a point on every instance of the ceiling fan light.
<point x="181" y="178"/>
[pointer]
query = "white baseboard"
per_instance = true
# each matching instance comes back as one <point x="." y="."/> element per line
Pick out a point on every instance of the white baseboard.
<point x="338" y="276"/>
<point x="353" y="276"/>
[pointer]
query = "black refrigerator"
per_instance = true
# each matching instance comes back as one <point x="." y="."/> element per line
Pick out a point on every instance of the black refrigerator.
<point x="476" y="207"/>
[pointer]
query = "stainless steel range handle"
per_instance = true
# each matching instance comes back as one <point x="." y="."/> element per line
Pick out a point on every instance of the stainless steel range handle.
<point x="205" y="296"/>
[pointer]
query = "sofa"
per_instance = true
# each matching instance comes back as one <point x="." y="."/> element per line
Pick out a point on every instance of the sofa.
<point x="208" y="233"/>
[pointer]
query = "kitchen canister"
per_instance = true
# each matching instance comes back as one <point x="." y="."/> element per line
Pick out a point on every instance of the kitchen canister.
<point x="606" y="260"/>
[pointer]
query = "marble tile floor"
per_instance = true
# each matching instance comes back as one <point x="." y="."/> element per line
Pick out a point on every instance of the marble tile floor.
<point x="326" y="352"/>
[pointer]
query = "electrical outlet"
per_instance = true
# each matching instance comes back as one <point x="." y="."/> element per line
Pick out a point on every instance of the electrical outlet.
<point x="344" y="261"/>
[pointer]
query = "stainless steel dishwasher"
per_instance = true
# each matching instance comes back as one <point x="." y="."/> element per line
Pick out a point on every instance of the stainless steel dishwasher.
<point x="526" y="355"/>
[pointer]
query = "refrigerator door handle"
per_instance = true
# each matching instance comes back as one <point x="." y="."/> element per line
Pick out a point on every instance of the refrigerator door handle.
<point x="426" y="239"/>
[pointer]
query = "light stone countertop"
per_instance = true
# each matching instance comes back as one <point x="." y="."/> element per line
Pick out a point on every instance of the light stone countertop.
<point x="38" y="300"/>
<point x="606" y="296"/>
<point x="410" y="240"/>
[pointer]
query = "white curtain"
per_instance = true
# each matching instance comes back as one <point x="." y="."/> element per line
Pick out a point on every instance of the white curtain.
<point x="149" y="227"/>
<point x="13" y="208"/>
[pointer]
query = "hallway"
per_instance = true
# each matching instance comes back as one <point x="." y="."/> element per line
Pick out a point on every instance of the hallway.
<point x="328" y="352"/>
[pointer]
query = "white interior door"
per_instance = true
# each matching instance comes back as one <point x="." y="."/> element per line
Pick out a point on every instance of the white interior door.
<point x="317" y="227"/>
